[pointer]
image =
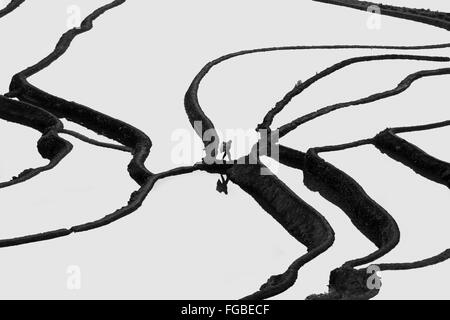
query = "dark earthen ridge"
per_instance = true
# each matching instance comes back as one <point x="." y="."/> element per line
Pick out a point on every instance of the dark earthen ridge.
<point x="301" y="220"/>
<point x="10" y="7"/>
<point x="401" y="87"/>
<point x="196" y="113"/>
<point x="96" y="121"/>
<point x="50" y="145"/>
<point x="434" y="18"/>
<point x="100" y="123"/>
<point x="298" y="89"/>
<point x="135" y="201"/>
<point x="402" y="151"/>
<point x="389" y="143"/>
<point x="343" y="191"/>
<point x="280" y="283"/>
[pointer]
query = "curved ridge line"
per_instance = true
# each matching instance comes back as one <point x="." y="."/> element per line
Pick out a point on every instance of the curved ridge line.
<point x="51" y="146"/>
<point x="196" y="113"/>
<point x="401" y="87"/>
<point x="10" y="7"/>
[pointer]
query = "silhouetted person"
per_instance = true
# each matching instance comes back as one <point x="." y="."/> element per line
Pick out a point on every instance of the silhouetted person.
<point x="226" y="149"/>
<point x="222" y="185"/>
